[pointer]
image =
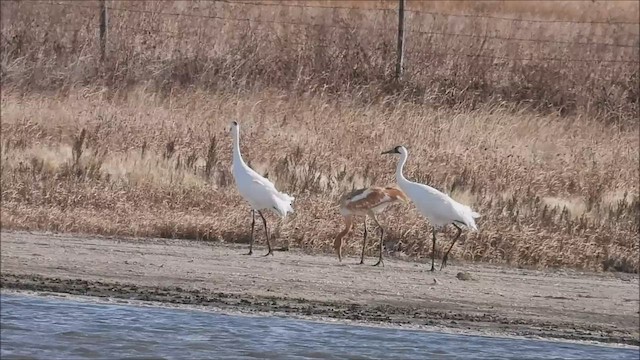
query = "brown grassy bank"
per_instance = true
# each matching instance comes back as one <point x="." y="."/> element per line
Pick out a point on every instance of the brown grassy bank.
<point x="552" y="191"/>
<point x="546" y="148"/>
<point x="460" y="62"/>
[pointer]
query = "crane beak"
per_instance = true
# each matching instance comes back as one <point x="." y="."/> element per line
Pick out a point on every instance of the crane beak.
<point x="392" y="151"/>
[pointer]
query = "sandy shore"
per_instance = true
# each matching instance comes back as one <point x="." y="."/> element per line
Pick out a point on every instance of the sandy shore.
<point x="560" y="304"/>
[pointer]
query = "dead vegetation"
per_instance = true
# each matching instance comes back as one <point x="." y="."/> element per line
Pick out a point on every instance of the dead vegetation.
<point x="546" y="151"/>
<point x="451" y="61"/>
<point x="552" y="192"/>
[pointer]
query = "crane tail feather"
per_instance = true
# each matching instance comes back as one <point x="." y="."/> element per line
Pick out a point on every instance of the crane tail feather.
<point x="284" y="204"/>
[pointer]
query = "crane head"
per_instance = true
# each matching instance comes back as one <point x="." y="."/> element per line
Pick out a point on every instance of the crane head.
<point x="396" y="150"/>
<point x="233" y="125"/>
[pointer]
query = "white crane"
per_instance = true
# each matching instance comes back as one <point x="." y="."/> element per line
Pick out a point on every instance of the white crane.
<point x="440" y="209"/>
<point x="257" y="190"/>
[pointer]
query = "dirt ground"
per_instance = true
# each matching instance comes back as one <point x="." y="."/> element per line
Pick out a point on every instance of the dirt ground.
<point x="561" y="304"/>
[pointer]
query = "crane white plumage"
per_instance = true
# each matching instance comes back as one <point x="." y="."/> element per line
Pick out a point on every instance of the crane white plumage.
<point x="257" y="190"/>
<point x="440" y="209"/>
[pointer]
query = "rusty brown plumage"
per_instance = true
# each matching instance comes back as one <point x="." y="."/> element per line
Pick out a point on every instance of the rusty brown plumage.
<point x="361" y="201"/>
<point x="396" y="193"/>
<point x="368" y="202"/>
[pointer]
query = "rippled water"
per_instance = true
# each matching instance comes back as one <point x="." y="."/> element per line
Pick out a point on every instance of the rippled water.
<point x="48" y="328"/>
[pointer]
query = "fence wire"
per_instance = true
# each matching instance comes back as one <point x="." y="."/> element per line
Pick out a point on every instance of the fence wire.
<point x="389" y="29"/>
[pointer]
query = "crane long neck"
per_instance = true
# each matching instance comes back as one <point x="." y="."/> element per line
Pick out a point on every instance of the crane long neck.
<point x="400" y="179"/>
<point x="237" y="157"/>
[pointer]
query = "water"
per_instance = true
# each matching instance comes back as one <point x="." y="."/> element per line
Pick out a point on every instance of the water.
<point x="47" y="328"/>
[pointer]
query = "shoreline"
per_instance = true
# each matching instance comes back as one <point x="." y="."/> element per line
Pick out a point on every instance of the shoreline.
<point x="552" y="305"/>
<point x="316" y="319"/>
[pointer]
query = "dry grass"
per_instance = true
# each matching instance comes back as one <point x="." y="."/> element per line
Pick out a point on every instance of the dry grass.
<point x="619" y="10"/>
<point x="547" y="151"/>
<point x="346" y="53"/>
<point x="552" y="191"/>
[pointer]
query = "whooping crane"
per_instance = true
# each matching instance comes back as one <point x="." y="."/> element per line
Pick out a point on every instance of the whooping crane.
<point x="368" y="202"/>
<point x="436" y="206"/>
<point x="258" y="191"/>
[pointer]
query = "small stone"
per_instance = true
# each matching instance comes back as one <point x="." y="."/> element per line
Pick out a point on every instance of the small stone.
<point x="464" y="276"/>
<point x="435" y="281"/>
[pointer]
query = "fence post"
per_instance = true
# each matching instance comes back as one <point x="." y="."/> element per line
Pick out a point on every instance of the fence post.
<point x="400" y="60"/>
<point x="103" y="29"/>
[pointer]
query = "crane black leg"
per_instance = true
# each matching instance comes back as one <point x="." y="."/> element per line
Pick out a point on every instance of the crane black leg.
<point x="364" y="242"/>
<point x="446" y="255"/>
<point x="266" y="232"/>
<point x="381" y="238"/>
<point x="253" y="225"/>
<point x="433" y="253"/>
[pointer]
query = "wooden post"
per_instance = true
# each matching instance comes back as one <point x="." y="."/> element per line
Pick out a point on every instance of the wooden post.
<point x="400" y="60"/>
<point x="103" y="29"/>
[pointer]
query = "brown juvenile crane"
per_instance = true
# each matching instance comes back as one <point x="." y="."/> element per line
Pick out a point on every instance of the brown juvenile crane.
<point x="368" y="202"/>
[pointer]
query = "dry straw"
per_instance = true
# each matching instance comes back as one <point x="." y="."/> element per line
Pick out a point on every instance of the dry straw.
<point x="546" y="150"/>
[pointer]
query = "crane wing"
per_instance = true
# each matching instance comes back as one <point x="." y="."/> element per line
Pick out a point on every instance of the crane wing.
<point x="364" y="199"/>
<point x="264" y="182"/>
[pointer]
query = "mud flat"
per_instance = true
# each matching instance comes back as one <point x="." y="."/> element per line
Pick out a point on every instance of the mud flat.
<point x="503" y="301"/>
